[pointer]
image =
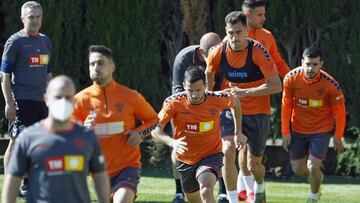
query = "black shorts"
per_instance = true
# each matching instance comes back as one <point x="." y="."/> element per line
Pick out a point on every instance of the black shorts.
<point x="303" y="144"/>
<point x="255" y="127"/>
<point x="128" y="177"/>
<point x="28" y="112"/>
<point x="190" y="173"/>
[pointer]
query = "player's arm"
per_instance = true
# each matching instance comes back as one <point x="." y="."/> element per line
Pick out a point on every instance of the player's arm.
<point x="149" y="118"/>
<point x="272" y="86"/>
<point x="9" y="58"/>
<point x="282" y="67"/>
<point x="10" y="110"/>
<point x="165" y="115"/>
<point x="286" y="108"/>
<point x="159" y="135"/>
<point x="17" y="167"/>
<point x="240" y="139"/>
<point x="178" y="75"/>
<point x="340" y="118"/>
<point x="10" y="188"/>
<point x="210" y="76"/>
<point x="212" y="67"/>
<point x="102" y="186"/>
<point x="49" y="76"/>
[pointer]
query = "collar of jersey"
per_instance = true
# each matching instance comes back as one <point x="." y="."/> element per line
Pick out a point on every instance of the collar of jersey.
<point x="315" y="80"/>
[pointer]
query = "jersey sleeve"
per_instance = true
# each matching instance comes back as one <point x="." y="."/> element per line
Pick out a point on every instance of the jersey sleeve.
<point x="335" y="94"/>
<point x="96" y="161"/>
<point x="213" y="60"/>
<point x="282" y="67"/>
<point x="144" y="112"/>
<point x="19" y="160"/>
<point x="227" y="101"/>
<point x="286" y="107"/>
<point x="178" y="75"/>
<point x="9" y="56"/>
<point x="263" y="59"/>
<point x="166" y="113"/>
<point x="77" y="114"/>
<point x="49" y="66"/>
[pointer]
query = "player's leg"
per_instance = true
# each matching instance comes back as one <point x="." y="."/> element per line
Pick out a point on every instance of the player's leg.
<point x="229" y="171"/>
<point x="318" y="149"/>
<point x="188" y="180"/>
<point x="179" y="194"/>
<point x="257" y="129"/>
<point x="207" y="174"/>
<point x="124" y="185"/>
<point x="245" y="181"/>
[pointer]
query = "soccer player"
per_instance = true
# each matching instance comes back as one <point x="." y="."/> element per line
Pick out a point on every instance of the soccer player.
<point x="25" y="69"/>
<point x="312" y="100"/>
<point x="193" y="55"/>
<point x="255" y="14"/>
<point x="57" y="154"/>
<point x="111" y="109"/>
<point x="248" y="71"/>
<point x="195" y="114"/>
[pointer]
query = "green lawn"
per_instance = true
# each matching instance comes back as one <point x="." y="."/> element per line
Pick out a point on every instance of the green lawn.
<point x="335" y="189"/>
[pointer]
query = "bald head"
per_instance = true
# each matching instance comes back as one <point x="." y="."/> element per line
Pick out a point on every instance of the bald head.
<point x="209" y="40"/>
<point x="61" y="82"/>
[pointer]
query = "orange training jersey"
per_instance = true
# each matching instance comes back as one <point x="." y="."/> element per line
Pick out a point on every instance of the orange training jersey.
<point x="199" y="123"/>
<point x="266" y="38"/>
<point x="117" y="107"/>
<point x="237" y="59"/>
<point x="311" y="102"/>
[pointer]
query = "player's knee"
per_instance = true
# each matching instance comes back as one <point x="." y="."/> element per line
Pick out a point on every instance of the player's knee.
<point x="206" y="189"/>
<point x="254" y="165"/>
<point x="313" y="167"/>
<point x="243" y="166"/>
<point x="229" y="151"/>
<point x="298" y="170"/>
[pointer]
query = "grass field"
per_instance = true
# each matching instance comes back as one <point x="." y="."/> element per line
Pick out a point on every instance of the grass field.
<point x="334" y="190"/>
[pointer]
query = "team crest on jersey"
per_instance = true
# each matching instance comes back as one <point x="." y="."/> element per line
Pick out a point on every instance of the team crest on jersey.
<point x="213" y="111"/>
<point x="119" y="107"/>
<point x="320" y="92"/>
<point x="199" y="126"/>
<point x="63" y="164"/>
<point x="79" y="143"/>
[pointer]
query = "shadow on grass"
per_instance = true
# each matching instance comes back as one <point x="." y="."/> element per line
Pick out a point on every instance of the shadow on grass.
<point x="327" y="180"/>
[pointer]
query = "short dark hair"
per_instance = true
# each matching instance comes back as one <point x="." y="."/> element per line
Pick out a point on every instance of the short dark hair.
<point x="252" y="4"/>
<point x="235" y="17"/>
<point x="313" y="52"/>
<point x="102" y="49"/>
<point x="194" y="74"/>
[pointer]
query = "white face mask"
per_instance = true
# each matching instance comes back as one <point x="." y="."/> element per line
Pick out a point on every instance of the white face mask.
<point x="61" y="109"/>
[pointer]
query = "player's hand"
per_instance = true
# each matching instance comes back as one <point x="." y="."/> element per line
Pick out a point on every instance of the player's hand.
<point x="135" y="137"/>
<point x="90" y="119"/>
<point x="238" y="92"/>
<point x="10" y="111"/>
<point x="338" y="145"/>
<point x="240" y="140"/>
<point x="286" y="142"/>
<point x="179" y="145"/>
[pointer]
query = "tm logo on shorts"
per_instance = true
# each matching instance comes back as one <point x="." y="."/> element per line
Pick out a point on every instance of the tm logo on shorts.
<point x="200" y="126"/>
<point x="68" y="163"/>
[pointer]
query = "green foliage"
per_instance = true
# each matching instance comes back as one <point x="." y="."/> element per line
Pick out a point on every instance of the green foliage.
<point x="349" y="160"/>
